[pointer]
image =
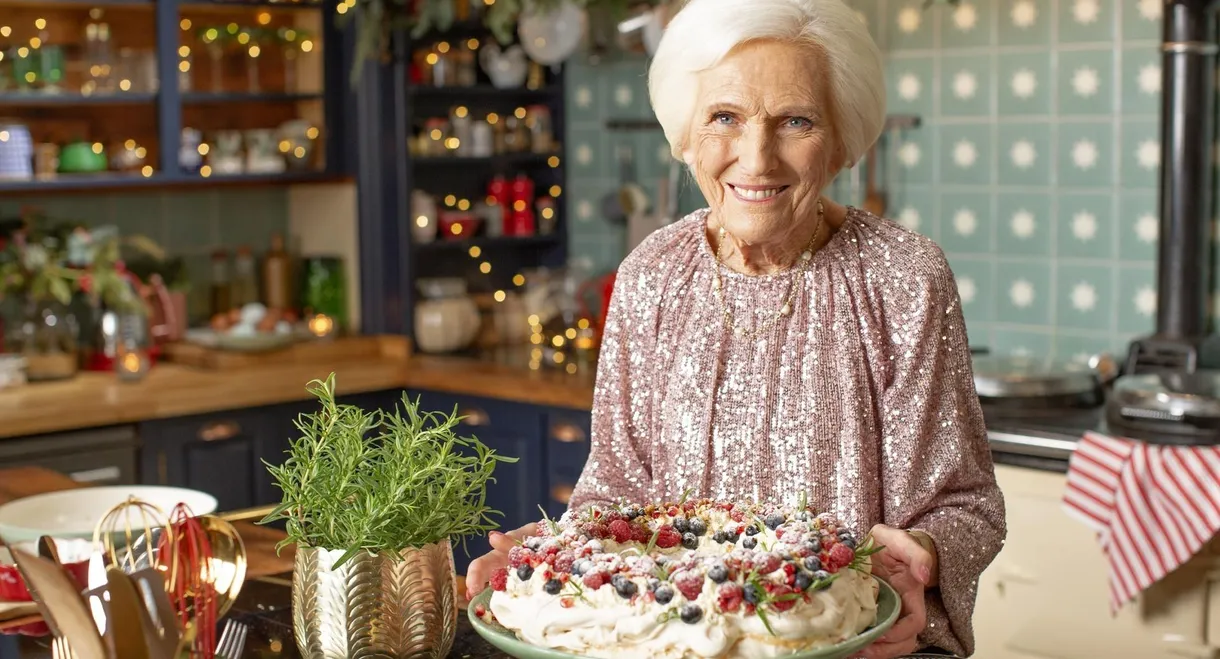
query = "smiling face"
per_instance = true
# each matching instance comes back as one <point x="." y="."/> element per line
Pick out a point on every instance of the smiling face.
<point x="762" y="143"/>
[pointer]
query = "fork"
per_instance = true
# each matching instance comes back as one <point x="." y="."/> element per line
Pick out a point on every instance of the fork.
<point x="232" y="640"/>
<point x="60" y="649"/>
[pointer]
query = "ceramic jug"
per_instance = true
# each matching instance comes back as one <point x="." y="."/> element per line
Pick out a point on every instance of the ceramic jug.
<point x="507" y="67"/>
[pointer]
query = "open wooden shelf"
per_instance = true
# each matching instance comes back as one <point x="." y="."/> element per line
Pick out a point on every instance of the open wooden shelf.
<point x="107" y="181"/>
<point x="489" y="242"/>
<point x="505" y="159"/>
<point x="32" y="99"/>
<point x="247" y="97"/>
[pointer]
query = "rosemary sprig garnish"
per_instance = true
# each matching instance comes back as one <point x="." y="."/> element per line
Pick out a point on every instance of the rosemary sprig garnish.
<point x="667" y="615"/>
<point x="580" y="591"/>
<point x="685" y="495"/>
<point x="652" y="541"/>
<point x="864" y="551"/>
<point x="549" y="522"/>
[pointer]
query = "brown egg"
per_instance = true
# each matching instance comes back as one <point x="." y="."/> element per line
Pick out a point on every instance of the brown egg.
<point x="234" y="315"/>
<point x="290" y="315"/>
<point x="220" y="322"/>
<point x="267" y="324"/>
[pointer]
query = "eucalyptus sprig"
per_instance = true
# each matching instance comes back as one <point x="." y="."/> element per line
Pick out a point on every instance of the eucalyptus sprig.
<point x="381" y="481"/>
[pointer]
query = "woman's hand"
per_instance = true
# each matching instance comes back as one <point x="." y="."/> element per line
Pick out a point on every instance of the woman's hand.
<point x="482" y="567"/>
<point x="909" y="567"/>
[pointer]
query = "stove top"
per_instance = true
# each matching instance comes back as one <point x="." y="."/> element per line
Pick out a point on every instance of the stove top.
<point x="1056" y="423"/>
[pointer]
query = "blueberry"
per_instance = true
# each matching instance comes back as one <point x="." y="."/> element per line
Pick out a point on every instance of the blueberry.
<point x="663" y="594"/>
<point x="814" y="545"/>
<point x="749" y="543"/>
<point x="653" y="583"/>
<point x="821" y="577"/>
<point x="774" y="520"/>
<point x="719" y="537"/>
<point x="689" y="540"/>
<point x="802" y="516"/>
<point x="751" y="594"/>
<point x="662" y="560"/>
<point x="681" y="525"/>
<point x="581" y="566"/>
<point x="718" y="573"/>
<point x="691" y="613"/>
<point x="812" y="563"/>
<point x="848" y="542"/>
<point x="803" y="581"/>
<point x="525" y="572"/>
<point x="552" y="587"/>
<point x="752" y="529"/>
<point x="633" y="511"/>
<point x="623" y="586"/>
<point x="697" y="526"/>
<point x="732" y="539"/>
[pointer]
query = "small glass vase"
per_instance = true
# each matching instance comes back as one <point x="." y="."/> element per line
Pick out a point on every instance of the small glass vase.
<point x="47" y="336"/>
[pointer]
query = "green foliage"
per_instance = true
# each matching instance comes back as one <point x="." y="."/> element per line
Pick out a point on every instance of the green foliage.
<point x="381" y="481"/>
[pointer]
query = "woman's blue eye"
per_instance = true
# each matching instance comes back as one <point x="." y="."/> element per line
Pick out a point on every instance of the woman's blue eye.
<point x="799" y="122"/>
<point x="722" y="117"/>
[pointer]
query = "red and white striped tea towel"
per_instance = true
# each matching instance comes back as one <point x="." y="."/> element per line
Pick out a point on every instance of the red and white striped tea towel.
<point x="1153" y="506"/>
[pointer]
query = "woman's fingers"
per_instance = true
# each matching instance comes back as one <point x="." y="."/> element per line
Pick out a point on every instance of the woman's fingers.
<point x="505" y="541"/>
<point x="882" y="650"/>
<point x="479" y="572"/>
<point x="902" y="547"/>
<point x="913" y="619"/>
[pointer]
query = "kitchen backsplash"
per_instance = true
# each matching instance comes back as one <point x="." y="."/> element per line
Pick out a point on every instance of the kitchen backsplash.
<point x="188" y="223"/>
<point x="1035" y="166"/>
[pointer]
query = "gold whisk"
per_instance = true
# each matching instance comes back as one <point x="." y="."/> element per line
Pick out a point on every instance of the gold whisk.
<point x="126" y="544"/>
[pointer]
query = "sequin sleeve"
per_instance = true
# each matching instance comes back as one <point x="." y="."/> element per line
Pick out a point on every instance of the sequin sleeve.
<point x="937" y="469"/>
<point x="618" y="466"/>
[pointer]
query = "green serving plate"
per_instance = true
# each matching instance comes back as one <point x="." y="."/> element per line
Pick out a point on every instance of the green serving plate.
<point x="888" y="606"/>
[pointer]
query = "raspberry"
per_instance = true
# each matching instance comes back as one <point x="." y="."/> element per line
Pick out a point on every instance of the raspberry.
<point x="767" y="563"/>
<point x="782" y="603"/>
<point x="689" y="583"/>
<point x="595" y="580"/>
<point x="563" y="561"/>
<point x="518" y="556"/>
<point x="729" y="597"/>
<point x="620" y="529"/>
<point x="839" y="556"/>
<point x="566" y="602"/>
<point x="749" y="609"/>
<point x="737" y="515"/>
<point x="640" y="533"/>
<point x="612" y="516"/>
<point x="725" y="506"/>
<point x="779" y="533"/>
<point x="593" y="530"/>
<point x="499" y="579"/>
<point x="480" y="610"/>
<point x="672" y="511"/>
<point x="790" y="571"/>
<point x="667" y="537"/>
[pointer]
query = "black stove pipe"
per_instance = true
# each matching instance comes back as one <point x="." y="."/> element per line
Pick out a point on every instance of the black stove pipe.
<point x="1188" y="87"/>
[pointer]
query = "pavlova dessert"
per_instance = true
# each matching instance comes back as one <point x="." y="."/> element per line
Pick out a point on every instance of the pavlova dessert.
<point x="687" y="579"/>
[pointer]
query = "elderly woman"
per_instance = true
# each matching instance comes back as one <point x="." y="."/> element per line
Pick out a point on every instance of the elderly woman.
<point x="778" y="342"/>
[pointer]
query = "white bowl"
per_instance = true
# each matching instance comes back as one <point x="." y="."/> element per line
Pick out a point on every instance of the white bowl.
<point x="75" y="513"/>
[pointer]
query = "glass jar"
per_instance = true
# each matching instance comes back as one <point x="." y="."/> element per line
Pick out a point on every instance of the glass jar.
<point x="47" y="337"/>
<point x="324" y="291"/>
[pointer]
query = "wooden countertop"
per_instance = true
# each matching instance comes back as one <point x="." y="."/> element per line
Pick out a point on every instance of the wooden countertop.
<point x="170" y="390"/>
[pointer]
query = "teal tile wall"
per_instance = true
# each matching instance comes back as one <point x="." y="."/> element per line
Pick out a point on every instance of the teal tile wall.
<point x="1035" y="167"/>
<point x="187" y="223"/>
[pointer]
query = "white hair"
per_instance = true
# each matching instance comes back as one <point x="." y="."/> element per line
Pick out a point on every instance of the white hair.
<point x="705" y="31"/>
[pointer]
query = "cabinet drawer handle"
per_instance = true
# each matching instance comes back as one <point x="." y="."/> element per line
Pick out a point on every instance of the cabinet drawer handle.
<point x="562" y="493"/>
<point x="568" y="433"/>
<point x="98" y="475"/>
<point x="219" y="431"/>
<point x="474" y="417"/>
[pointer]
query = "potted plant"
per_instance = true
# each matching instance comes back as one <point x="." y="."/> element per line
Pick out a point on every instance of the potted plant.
<point x="44" y="268"/>
<point x="372" y="500"/>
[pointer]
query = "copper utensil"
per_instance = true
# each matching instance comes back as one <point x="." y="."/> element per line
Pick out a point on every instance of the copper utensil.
<point x="63" y="610"/>
<point x="874" y="199"/>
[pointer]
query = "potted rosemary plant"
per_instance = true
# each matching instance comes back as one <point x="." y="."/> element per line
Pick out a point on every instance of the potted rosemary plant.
<point x="372" y="500"/>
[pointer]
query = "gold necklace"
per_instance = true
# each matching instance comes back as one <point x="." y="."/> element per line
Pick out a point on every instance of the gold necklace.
<point x="785" y="309"/>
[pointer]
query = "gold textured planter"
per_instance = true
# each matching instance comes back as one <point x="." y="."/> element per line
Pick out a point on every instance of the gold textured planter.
<point x="375" y="606"/>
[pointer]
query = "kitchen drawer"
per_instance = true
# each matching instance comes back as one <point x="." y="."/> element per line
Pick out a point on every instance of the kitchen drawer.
<point x="483" y="413"/>
<point x="98" y="456"/>
<point x="567" y="450"/>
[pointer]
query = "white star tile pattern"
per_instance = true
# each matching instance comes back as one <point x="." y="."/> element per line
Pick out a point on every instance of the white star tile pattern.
<point x="1145" y="301"/>
<point x="1150" y="10"/>
<point x="1150" y="79"/>
<point x="909" y="155"/>
<point x="1147" y="227"/>
<point x="583" y="96"/>
<point x="965" y="85"/>
<point x="1024" y="224"/>
<point x="1086" y="12"/>
<point x="1023" y="154"/>
<point x="1084" y="226"/>
<point x="1149" y="154"/>
<point x="909" y="218"/>
<point x="1024" y="13"/>
<point x="965" y="154"/>
<point x="965" y="17"/>
<point x="1084" y="154"/>
<point x="966" y="289"/>
<point x="1021" y="293"/>
<point x="1024" y="83"/>
<point x="1084" y="296"/>
<point x="909" y="19"/>
<point x="965" y="223"/>
<point x="909" y="87"/>
<point x="1086" y="82"/>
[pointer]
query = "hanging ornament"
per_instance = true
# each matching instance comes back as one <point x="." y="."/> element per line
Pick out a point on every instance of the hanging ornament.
<point x="551" y="36"/>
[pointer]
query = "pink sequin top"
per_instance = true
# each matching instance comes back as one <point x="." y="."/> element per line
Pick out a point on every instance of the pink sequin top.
<point x="863" y="395"/>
